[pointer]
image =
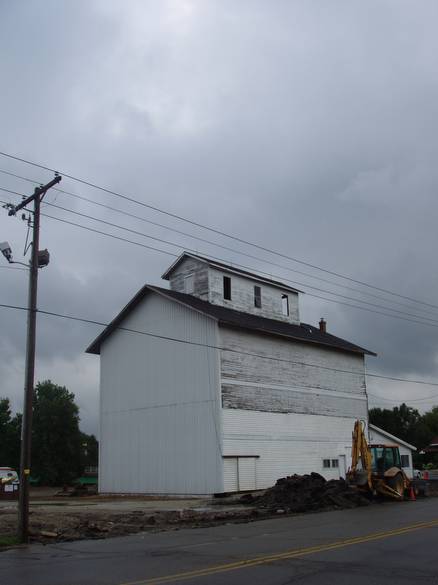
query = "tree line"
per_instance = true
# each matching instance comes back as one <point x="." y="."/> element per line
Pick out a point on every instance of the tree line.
<point x="408" y="424"/>
<point x="60" y="451"/>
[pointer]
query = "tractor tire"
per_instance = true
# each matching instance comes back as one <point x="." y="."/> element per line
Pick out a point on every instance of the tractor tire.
<point x="397" y="483"/>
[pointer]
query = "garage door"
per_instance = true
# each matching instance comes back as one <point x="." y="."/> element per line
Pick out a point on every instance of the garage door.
<point x="247" y="473"/>
<point x="231" y="482"/>
<point x="240" y="474"/>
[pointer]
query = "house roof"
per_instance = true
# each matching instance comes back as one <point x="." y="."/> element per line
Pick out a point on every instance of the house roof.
<point x="232" y="318"/>
<point x="432" y="447"/>
<point x="227" y="268"/>
<point x="392" y="437"/>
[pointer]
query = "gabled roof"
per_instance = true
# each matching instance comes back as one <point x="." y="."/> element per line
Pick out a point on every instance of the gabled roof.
<point x="232" y="318"/>
<point x="227" y="268"/>
<point x="432" y="447"/>
<point x="392" y="437"/>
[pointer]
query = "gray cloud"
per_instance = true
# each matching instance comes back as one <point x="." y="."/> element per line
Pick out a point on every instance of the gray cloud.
<point x="310" y="127"/>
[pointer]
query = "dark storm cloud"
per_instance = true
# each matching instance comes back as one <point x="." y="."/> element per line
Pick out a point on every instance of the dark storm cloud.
<point x="310" y="127"/>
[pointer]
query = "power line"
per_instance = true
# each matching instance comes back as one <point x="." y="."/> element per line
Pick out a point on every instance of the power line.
<point x="13" y="268"/>
<point x="392" y="401"/>
<point x="218" y="347"/>
<point x="217" y="231"/>
<point x="204" y="240"/>
<point x="429" y="323"/>
<point x="110" y="235"/>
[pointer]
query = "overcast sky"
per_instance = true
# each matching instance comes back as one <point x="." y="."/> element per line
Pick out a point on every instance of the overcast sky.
<point x="308" y="127"/>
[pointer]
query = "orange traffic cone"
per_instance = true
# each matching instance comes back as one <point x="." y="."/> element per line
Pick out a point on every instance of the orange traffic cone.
<point x="412" y="497"/>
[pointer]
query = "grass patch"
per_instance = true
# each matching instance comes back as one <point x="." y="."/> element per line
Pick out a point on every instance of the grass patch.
<point x="8" y="540"/>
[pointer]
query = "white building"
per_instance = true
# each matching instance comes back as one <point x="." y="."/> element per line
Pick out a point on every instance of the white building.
<point x="378" y="435"/>
<point x="215" y="385"/>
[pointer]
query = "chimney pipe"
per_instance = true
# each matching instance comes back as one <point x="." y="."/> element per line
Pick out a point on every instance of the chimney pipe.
<point x="323" y="325"/>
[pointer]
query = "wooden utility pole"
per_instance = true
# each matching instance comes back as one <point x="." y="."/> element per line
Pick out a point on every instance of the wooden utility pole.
<point x="26" y="430"/>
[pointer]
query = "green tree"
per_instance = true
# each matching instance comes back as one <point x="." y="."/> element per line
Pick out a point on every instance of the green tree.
<point x="402" y="421"/>
<point x="408" y="424"/>
<point x="56" y="438"/>
<point x="10" y="430"/>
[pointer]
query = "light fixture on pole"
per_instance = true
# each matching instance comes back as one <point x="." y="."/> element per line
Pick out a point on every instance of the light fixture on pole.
<point x="6" y="250"/>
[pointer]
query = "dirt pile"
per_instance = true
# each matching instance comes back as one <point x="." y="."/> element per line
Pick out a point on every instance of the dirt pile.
<point x="307" y="493"/>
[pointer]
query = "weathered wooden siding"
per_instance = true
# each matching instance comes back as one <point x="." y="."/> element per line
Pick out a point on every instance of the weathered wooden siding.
<point x="160" y="404"/>
<point x="242" y="296"/>
<point x="289" y="384"/>
<point x="200" y="277"/>
<point x="287" y="443"/>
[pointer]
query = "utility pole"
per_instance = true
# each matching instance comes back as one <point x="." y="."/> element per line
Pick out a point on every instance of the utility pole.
<point x="38" y="259"/>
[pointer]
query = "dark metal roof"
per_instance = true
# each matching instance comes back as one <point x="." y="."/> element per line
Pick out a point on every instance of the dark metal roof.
<point x="227" y="268"/>
<point x="232" y="318"/>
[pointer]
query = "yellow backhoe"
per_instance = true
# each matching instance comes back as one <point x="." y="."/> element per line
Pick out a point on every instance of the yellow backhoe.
<point x="377" y="468"/>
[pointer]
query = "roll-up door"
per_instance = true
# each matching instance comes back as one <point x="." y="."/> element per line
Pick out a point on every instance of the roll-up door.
<point x="231" y="482"/>
<point x="247" y="473"/>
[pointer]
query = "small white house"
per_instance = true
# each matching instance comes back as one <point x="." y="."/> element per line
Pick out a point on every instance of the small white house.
<point x="377" y="435"/>
<point x="215" y="385"/>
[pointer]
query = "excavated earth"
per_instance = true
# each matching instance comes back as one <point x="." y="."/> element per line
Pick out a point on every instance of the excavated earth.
<point x="69" y="525"/>
<point x="307" y="493"/>
<point x="290" y="495"/>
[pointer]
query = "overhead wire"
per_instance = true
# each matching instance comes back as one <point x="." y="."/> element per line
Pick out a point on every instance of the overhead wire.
<point x="214" y="230"/>
<point x="204" y="240"/>
<point x="219" y="245"/>
<point x="13" y="268"/>
<point x="218" y="347"/>
<point x="417" y="318"/>
<point x="394" y="400"/>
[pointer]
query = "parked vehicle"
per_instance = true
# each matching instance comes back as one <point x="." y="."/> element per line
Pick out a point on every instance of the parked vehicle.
<point x="9" y="483"/>
<point x="8" y="476"/>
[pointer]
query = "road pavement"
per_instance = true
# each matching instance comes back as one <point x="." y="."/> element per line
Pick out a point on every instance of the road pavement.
<point x="391" y="543"/>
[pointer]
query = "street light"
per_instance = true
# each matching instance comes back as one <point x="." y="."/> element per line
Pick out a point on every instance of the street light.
<point x="6" y="251"/>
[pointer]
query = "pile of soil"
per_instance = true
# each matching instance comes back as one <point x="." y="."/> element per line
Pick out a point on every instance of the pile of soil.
<point x="307" y="493"/>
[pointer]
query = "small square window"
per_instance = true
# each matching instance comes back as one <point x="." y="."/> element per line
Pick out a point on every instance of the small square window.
<point x="335" y="462"/>
<point x="405" y="461"/>
<point x="326" y="463"/>
<point x="285" y="305"/>
<point x="257" y="297"/>
<point x="227" y="288"/>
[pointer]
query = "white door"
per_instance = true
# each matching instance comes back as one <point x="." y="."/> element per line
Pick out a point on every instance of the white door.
<point x="247" y="473"/>
<point x="342" y="466"/>
<point x="231" y="481"/>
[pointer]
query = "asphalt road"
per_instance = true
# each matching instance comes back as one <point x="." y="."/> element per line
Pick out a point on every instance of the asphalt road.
<point x="391" y="543"/>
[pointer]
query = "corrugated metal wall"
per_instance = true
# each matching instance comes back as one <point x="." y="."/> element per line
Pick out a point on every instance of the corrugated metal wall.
<point x="286" y="443"/>
<point x="160" y="403"/>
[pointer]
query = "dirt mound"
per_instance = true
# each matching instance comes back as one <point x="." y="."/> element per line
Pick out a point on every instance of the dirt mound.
<point x="307" y="493"/>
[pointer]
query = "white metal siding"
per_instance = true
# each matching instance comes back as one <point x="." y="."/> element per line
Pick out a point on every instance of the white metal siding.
<point x="247" y="473"/>
<point x="287" y="443"/>
<point x="231" y="479"/>
<point x="160" y="404"/>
